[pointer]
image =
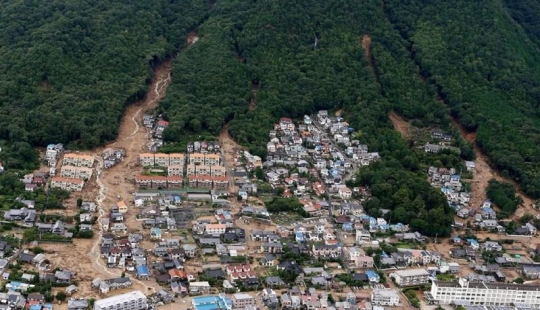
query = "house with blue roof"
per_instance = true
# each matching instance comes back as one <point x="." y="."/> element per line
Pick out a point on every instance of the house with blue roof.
<point x="143" y="272"/>
<point x="243" y="195"/>
<point x="155" y="233"/>
<point x="299" y="237"/>
<point x="383" y="227"/>
<point x="372" y="224"/>
<point x="473" y="243"/>
<point x="446" y="190"/>
<point x="364" y="217"/>
<point x="347" y="226"/>
<point x="14" y="285"/>
<point x="399" y="227"/>
<point x="488" y="213"/>
<point x="373" y="276"/>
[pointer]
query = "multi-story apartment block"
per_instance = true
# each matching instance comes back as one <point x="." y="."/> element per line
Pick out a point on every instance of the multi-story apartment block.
<point x="212" y="159"/>
<point x="242" y="301"/>
<point x="161" y="159"/>
<point x="196" y="158"/>
<point x="218" y="171"/>
<point x="220" y="182"/>
<point x="129" y="301"/>
<point x="215" y="229"/>
<point x="175" y="170"/>
<point x="69" y="184"/>
<point x="202" y="170"/>
<point x="410" y="277"/>
<point x="177" y="159"/>
<point x="203" y="181"/>
<point x="193" y="181"/>
<point x="158" y="181"/>
<point x="143" y="181"/>
<point x="146" y="159"/>
<point x="76" y="172"/>
<point x="79" y="160"/>
<point x="190" y="169"/>
<point x="174" y="181"/>
<point x="482" y="293"/>
<point x="384" y="297"/>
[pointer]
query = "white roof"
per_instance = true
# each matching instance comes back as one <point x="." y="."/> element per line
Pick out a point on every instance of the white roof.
<point x="239" y="296"/>
<point x="411" y="272"/>
<point x="119" y="299"/>
<point x="385" y="292"/>
<point x="203" y="283"/>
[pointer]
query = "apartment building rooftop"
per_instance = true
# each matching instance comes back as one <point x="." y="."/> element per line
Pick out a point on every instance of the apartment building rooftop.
<point x="485" y="285"/>
<point x="118" y="299"/>
<point x="411" y="272"/>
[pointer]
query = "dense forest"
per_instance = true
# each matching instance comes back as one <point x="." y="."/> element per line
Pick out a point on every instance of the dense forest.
<point x="486" y="67"/>
<point x="70" y="68"/>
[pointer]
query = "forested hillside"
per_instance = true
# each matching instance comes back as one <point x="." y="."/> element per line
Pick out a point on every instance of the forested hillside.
<point x="69" y="67"/>
<point x="295" y="58"/>
<point x="487" y="70"/>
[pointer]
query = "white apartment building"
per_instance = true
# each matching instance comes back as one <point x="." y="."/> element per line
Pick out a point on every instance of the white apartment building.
<point x="161" y="159"/>
<point x="79" y="160"/>
<point x="481" y="293"/>
<point x="384" y="297"/>
<point x="146" y="159"/>
<point x="177" y="159"/>
<point x="190" y="169"/>
<point x="410" y="277"/>
<point x="202" y="170"/>
<point x="196" y="158"/>
<point x="129" y="301"/>
<point x="218" y="171"/>
<point x="215" y="229"/>
<point x="212" y="159"/>
<point x="69" y="184"/>
<point x="175" y="170"/>
<point x="242" y="301"/>
<point x="76" y="172"/>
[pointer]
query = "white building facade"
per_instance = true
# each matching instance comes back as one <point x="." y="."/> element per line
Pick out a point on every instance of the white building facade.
<point x="409" y="277"/>
<point x="481" y="293"/>
<point x="129" y="301"/>
<point x="384" y="297"/>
